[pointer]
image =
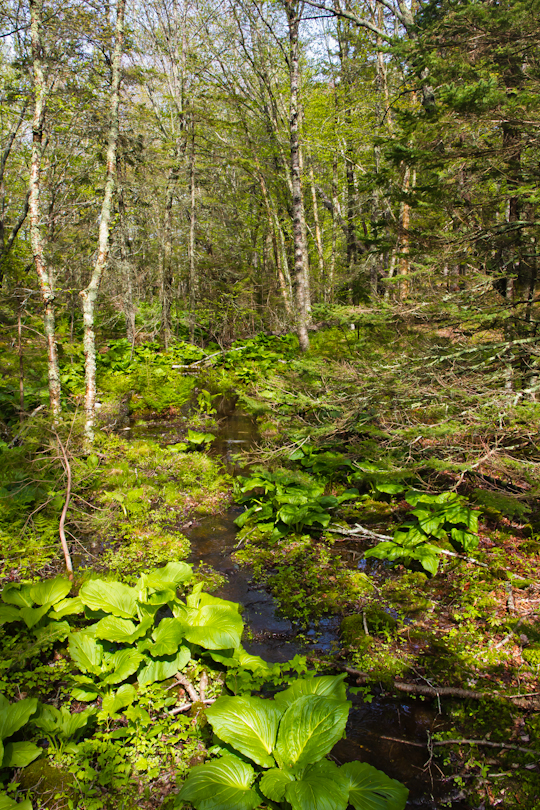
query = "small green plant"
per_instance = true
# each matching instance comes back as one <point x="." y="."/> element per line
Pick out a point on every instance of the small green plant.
<point x="15" y="754"/>
<point x="287" y="503"/>
<point x="129" y="638"/>
<point x="442" y="517"/>
<point x="287" y="739"/>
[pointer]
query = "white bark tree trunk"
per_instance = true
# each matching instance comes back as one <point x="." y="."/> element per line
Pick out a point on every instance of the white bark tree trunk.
<point x="89" y="295"/>
<point x="293" y="8"/>
<point x="45" y="275"/>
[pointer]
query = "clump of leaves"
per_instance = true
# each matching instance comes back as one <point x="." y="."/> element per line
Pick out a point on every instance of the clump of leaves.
<point x="287" y="739"/>
<point x="444" y="517"/>
<point x="287" y="503"/>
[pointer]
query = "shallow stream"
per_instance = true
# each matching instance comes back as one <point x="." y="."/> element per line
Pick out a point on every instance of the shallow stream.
<point x="375" y="729"/>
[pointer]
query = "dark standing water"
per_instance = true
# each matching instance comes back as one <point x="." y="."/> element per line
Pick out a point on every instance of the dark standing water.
<point x="213" y="541"/>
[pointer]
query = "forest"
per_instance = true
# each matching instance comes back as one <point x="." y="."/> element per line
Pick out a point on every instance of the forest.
<point x="269" y="404"/>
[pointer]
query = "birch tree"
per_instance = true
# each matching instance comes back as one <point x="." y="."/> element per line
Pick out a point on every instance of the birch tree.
<point x="45" y="274"/>
<point x="89" y="295"/>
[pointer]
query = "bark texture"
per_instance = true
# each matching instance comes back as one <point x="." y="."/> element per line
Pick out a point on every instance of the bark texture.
<point x="89" y="295"/>
<point x="45" y="275"/>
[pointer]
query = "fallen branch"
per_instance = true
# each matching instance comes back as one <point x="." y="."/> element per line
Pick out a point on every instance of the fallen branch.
<point x="437" y="692"/>
<point x="61" y="529"/>
<point x="188" y="686"/>
<point x="358" y="530"/>
<point x="487" y="743"/>
<point x="209" y="356"/>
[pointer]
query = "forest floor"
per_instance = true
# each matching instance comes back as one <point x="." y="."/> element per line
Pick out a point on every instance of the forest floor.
<point x="396" y="437"/>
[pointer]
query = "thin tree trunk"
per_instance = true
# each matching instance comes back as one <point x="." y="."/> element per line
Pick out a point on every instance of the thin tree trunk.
<point x="329" y="290"/>
<point x="318" y="236"/>
<point x="21" y="359"/>
<point x="193" y="274"/>
<point x="89" y="295"/>
<point x="293" y="9"/>
<point x="404" y="239"/>
<point x="45" y="275"/>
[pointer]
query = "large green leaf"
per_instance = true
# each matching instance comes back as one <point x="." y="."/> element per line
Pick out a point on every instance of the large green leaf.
<point x="123" y="663"/>
<point x="221" y="785"/>
<point x="9" y="613"/>
<point x="7" y="803"/>
<point x="160" y="670"/>
<point x="249" y="724"/>
<point x="274" y="782"/>
<point x="20" y="754"/>
<point x="167" y="637"/>
<point x="61" y="723"/>
<point x="169" y="577"/>
<point x="50" y="591"/>
<point x="321" y="788"/>
<point x="51" y="633"/>
<point x="68" y="607"/>
<point x="111" y="597"/>
<point x="370" y="789"/>
<point x="214" y="627"/>
<point x="329" y="685"/>
<point x="86" y="652"/>
<point x="13" y="716"/>
<point x="124" y="696"/>
<point x="122" y="631"/>
<point x="309" y="729"/>
<point x="31" y="616"/>
<point x="16" y="594"/>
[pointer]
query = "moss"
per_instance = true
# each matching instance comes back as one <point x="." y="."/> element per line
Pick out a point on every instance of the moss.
<point x="403" y="592"/>
<point x="53" y="786"/>
<point x="378" y="619"/>
<point x="532" y="655"/>
<point x="530" y="547"/>
<point x="352" y="629"/>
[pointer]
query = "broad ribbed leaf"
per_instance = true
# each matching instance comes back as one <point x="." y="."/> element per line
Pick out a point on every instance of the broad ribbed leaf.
<point x="370" y="789"/>
<point x="51" y="633"/>
<point x="221" y="785"/>
<point x="321" y="788"/>
<point x="160" y="670"/>
<point x="249" y="724"/>
<point x="167" y="637"/>
<point x="68" y="607"/>
<point x="124" y="663"/>
<point x="7" y="803"/>
<point x="214" y="627"/>
<point x="123" y="697"/>
<point x="274" y="782"/>
<point x="429" y="521"/>
<point x="329" y="685"/>
<point x="169" y="577"/>
<point x="85" y="652"/>
<point x="9" y="613"/>
<point x="13" y="716"/>
<point x="15" y="594"/>
<point x="309" y="729"/>
<point x="50" y="591"/>
<point x="111" y="597"/>
<point x="122" y="631"/>
<point x="31" y="616"/>
<point x="20" y="754"/>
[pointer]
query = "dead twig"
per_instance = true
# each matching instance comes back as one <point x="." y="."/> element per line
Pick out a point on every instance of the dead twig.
<point x="487" y="743"/>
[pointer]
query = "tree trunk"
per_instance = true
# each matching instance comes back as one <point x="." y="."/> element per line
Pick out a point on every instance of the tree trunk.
<point x="318" y="235"/>
<point x="89" y="295"/>
<point x="45" y="275"/>
<point x="294" y="9"/>
<point x="193" y="275"/>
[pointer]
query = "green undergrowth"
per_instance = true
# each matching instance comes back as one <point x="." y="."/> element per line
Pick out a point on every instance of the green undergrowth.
<point x="108" y="725"/>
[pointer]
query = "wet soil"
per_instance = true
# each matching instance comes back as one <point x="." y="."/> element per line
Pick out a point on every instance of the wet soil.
<point x="375" y="729"/>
